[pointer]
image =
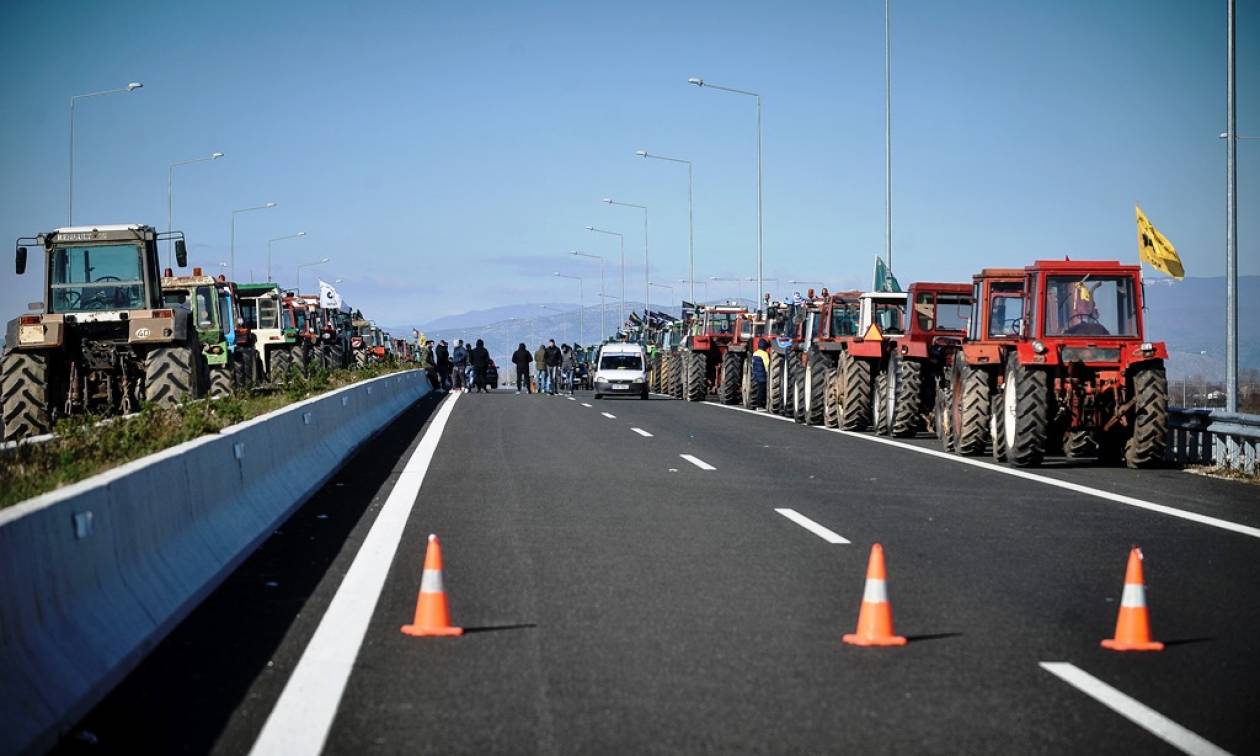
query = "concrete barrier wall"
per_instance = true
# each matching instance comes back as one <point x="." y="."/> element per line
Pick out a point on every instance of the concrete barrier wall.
<point x="94" y="575"/>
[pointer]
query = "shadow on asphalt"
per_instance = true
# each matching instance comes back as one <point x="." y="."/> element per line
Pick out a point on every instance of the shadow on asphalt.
<point x="180" y="698"/>
<point x="930" y="637"/>
<point x="1187" y="641"/>
<point x="494" y="628"/>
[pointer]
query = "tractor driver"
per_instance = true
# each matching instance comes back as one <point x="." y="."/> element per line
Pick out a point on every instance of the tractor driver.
<point x="1084" y="318"/>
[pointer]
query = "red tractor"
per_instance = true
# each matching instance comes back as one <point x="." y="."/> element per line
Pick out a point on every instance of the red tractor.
<point x="706" y="364"/>
<point x="1080" y="377"/>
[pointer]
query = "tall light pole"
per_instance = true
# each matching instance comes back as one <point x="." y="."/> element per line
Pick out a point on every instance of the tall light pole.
<point x="232" y="243"/>
<point x="602" y="331"/>
<point x="702" y="83"/>
<point x="298" y="235"/>
<point x="888" y="133"/>
<point x="307" y="265"/>
<point x="621" y="306"/>
<point x="170" y="197"/>
<point x="70" y="189"/>
<point x="691" y="258"/>
<point x="1231" y="221"/>
<point x="581" y="304"/>
<point x="646" y="260"/>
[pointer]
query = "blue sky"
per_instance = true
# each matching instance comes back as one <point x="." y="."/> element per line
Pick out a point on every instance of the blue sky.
<point x="448" y="156"/>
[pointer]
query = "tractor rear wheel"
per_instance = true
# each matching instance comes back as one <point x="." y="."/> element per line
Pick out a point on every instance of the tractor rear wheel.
<point x="746" y="383"/>
<point x="943" y="415"/>
<point x="817" y="369"/>
<point x="243" y="367"/>
<point x="905" y="416"/>
<point x="302" y="359"/>
<point x="732" y="375"/>
<point x="172" y="374"/>
<point x="885" y="399"/>
<point x="997" y="425"/>
<point x="360" y="358"/>
<point x="222" y="380"/>
<point x="1026" y="406"/>
<point x="678" y="374"/>
<point x="831" y="399"/>
<point x="26" y="395"/>
<point x="774" y="384"/>
<point x="1079" y="443"/>
<point x="337" y="357"/>
<point x="281" y="364"/>
<point x="1149" y="389"/>
<point x="796" y="376"/>
<point x="696" y="388"/>
<point x="854" y="393"/>
<point x="970" y="421"/>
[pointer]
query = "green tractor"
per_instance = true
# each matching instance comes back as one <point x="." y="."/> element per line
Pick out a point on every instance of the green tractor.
<point x="231" y="363"/>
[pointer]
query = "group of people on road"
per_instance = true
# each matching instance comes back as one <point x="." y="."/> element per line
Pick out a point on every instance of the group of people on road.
<point x="555" y="368"/>
<point x="458" y="367"/>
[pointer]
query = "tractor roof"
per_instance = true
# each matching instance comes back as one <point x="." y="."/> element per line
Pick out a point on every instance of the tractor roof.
<point x="114" y="232"/>
<point x="173" y="282"/>
<point x="1081" y="266"/>
<point x="254" y="289"/>
<point x="1000" y="273"/>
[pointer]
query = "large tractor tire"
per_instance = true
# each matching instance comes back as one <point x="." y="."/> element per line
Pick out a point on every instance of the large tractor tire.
<point x="696" y="388"/>
<point x="302" y="359"/>
<point x="243" y="366"/>
<point x="796" y="380"/>
<point x="885" y="400"/>
<point x="26" y="395"/>
<point x="1026" y="406"/>
<point x="1149" y="389"/>
<point x="970" y="416"/>
<point x="222" y="380"/>
<point x="943" y="415"/>
<point x="172" y="374"/>
<point x="337" y="357"/>
<point x="906" y="416"/>
<point x="360" y="358"/>
<point x="817" y="372"/>
<point x="831" y="399"/>
<point x="774" y="384"/>
<point x="997" y="425"/>
<point x="281" y="364"/>
<point x="1080" y="443"/>
<point x="746" y="381"/>
<point x="732" y="376"/>
<point x="679" y="375"/>
<point x="854" y="393"/>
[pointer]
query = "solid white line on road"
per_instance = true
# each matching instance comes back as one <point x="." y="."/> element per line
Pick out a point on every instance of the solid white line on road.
<point x="1202" y="519"/>
<point x="698" y="462"/>
<point x="300" y="721"/>
<point x="584" y="404"/>
<point x="642" y="432"/>
<point x="1133" y="710"/>
<point x="826" y="534"/>
<point x="608" y="415"/>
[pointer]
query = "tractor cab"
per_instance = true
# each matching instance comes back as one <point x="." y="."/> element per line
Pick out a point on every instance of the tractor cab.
<point x="885" y="310"/>
<point x="211" y="309"/>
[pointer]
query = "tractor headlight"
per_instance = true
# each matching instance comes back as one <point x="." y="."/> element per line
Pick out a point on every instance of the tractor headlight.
<point x="1038" y="347"/>
<point x="1148" y="347"/>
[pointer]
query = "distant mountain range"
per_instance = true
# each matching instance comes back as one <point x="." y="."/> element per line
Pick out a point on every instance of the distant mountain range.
<point x="1189" y="316"/>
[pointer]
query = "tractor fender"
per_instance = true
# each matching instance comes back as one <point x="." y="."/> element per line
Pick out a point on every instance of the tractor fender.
<point x="914" y="349"/>
<point x="145" y="328"/>
<point x="700" y="343"/>
<point x="48" y="333"/>
<point x="982" y="354"/>
<point x="867" y="349"/>
<point x="1029" y="356"/>
<point x="1135" y="355"/>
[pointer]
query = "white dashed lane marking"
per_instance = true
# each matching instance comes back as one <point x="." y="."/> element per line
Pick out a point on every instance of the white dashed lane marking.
<point x="698" y="462"/>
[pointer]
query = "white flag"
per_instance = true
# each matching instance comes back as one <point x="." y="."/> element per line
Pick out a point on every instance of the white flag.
<point x="329" y="299"/>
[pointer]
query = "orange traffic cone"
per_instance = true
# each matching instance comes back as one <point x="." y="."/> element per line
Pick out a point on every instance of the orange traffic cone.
<point x="432" y="615"/>
<point x="1133" y="626"/>
<point x="875" y="623"/>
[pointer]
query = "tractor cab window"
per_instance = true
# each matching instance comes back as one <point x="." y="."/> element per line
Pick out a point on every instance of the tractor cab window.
<point x="97" y="277"/>
<point x="268" y="313"/>
<point x="890" y="316"/>
<point x="721" y="322"/>
<point x="205" y="306"/>
<point x="1006" y="309"/>
<point x="1090" y="306"/>
<point x="952" y="312"/>
<point x="226" y="321"/>
<point x="924" y="311"/>
<point x="249" y="312"/>
<point x="844" y="319"/>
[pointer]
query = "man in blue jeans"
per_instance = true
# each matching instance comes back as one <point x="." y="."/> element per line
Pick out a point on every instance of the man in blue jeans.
<point x="553" y="359"/>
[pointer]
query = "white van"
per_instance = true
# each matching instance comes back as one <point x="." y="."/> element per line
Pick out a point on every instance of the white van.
<point x="621" y="370"/>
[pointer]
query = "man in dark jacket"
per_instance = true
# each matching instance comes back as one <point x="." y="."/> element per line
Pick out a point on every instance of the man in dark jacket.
<point x="443" y="359"/>
<point x="553" y="359"/>
<point x="479" y="358"/>
<point x="521" y="358"/>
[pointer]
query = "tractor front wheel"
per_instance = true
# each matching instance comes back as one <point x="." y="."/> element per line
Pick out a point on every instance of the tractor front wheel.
<point x="774" y="384"/>
<point x="281" y="364"/>
<point x="1026" y="406"/>
<point x="816" y="372"/>
<point x="997" y="425"/>
<point x="885" y="400"/>
<point x="970" y="409"/>
<point x="696" y="388"/>
<point x="943" y="415"/>
<point x="1149" y="389"/>
<point x="905" y="416"/>
<point x="854" y="393"/>
<point x="172" y="374"/>
<point x="732" y="376"/>
<point x="26" y="394"/>
<point x="222" y="380"/>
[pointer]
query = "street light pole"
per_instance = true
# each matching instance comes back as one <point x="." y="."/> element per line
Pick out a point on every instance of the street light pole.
<point x="279" y="238"/>
<point x="170" y="197"/>
<point x="307" y="265"/>
<point x="888" y="133"/>
<point x="621" y="303"/>
<point x="602" y="302"/>
<point x="1231" y="220"/>
<point x="691" y="258"/>
<point x="70" y="188"/>
<point x="702" y="83"/>
<point x="647" y="265"/>
<point x="232" y="243"/>
<point x="581" y="304"/>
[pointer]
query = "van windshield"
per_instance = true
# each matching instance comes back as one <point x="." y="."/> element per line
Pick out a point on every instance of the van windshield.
<point x="621" y="362"/>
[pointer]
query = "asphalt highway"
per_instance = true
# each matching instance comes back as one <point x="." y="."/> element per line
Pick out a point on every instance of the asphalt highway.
<point x="627" y="584"/>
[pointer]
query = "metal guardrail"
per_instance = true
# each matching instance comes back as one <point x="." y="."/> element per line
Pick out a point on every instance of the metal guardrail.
<point x="1212" y="437"/>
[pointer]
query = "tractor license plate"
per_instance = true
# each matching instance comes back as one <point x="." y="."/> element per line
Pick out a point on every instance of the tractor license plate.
<point x="31" y="333"/>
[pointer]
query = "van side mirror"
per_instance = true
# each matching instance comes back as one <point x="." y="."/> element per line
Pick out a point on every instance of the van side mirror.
<point x="181" y="253"/>
<point x="21" y="260"/>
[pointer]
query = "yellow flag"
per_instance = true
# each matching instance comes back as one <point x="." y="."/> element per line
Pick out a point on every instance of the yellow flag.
<point x="1155" y="249"/>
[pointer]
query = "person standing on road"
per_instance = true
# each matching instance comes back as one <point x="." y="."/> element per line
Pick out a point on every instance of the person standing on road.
<point x="568" y="365"/>
<point x="428" y="363"/>
<point x="760" y="373"/>
<point x="442" y="355"/>
<point x="553" y="359"/>
<point x="479" y="359"/>
<point x="540" y="367"/>
<point x="521" y="358"/>
<point x="459" y="363"/>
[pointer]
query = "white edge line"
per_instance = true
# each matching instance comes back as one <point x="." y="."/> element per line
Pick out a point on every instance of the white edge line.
<point x="698" y="462"/>
<point x="828" y="535"/>
<point x="1133" y="710"/>
<point x="642" y="432"/>
<point x="300" y="721"/>
<point x="1202" y="519"/>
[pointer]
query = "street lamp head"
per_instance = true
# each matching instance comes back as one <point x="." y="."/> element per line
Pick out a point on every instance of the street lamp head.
<point x="590" y="228"/>
<point x="216" y="155"/>
<point x="556" y="273"/>
<point x="641" y="153"/>
<point x="324" y="260"/>
<point x="697" y="82"/>
<point x="301" y="233"/>
<point x="270" y="204"/>
<point x="133" y="86"/>
<point x="608" y="200"/>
